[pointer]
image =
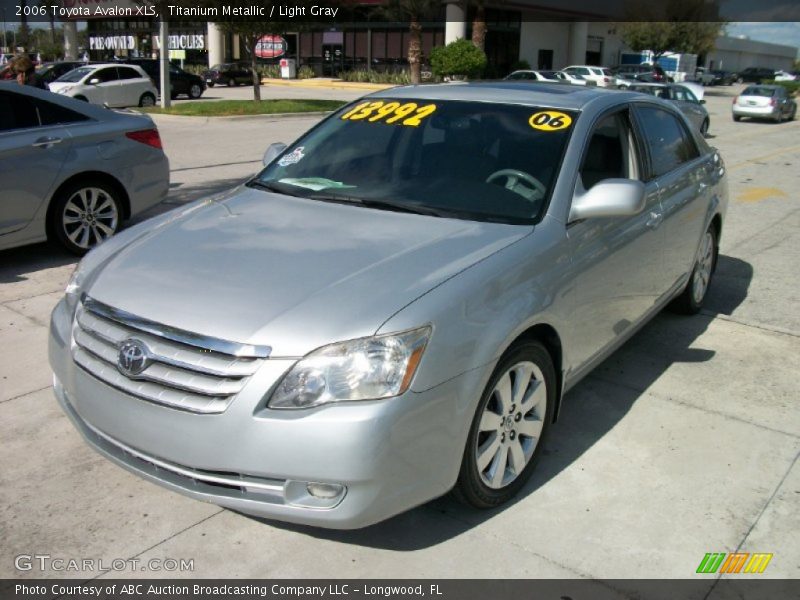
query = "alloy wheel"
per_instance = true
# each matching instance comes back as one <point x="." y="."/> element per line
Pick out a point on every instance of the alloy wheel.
<point x="702" y="272"/>
<point x="90" y="216"/>
<point x="511" y="425"/>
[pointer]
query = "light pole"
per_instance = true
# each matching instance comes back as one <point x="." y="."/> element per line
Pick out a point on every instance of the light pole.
<point x="5" y="38"/>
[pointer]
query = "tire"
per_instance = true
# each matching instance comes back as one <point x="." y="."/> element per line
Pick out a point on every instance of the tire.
<point x="794" y="114"/>
<point x="195" y="91"/>
<point x="495" y="440"/>
<point x="210" y="85"/>
<point x="737" y="118"/>
<point x="704" y="128"/>
<point x="84" y="214"/>
<point x="147" y="99"/>
<point x="694" y="294"/>
<point x="82" y="98"/>
<point x="231" y="82"/>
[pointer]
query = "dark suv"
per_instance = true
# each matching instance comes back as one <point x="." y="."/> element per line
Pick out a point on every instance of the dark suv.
<point x="229" y="74"/>
<point x="755" y="75"/>
<point x="181" y="82"/>
<point x="643" y="72"/>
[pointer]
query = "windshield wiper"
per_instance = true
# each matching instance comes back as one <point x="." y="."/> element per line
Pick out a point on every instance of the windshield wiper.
<point x="274" y="186"/>
<point x="415" y="209"/>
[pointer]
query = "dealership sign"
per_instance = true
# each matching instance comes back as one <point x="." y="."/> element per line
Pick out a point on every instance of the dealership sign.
<point x="112" y="42"/>
<point x="271" y="46"/>
<point x="182" y="42"/>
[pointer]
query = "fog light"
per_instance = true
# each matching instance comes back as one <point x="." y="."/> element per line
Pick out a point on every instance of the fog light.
<point x="325" y="491"/>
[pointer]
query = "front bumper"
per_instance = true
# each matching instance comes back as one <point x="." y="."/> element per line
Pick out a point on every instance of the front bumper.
<point x="390" y="455"/>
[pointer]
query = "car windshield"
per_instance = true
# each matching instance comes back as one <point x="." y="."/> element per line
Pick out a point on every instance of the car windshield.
<point x="754" y="90"/>
<point x="467" y="160"/>
<point x="76" y="74"/>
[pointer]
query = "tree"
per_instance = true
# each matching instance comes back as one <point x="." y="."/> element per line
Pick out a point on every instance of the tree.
<point x="250" y="32"/>
<point x="415" y="11"/>
<point x="479" y="25"/>
<point x="686" y="26"/>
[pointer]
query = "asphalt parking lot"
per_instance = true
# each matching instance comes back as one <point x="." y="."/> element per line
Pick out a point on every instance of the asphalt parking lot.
<point x="684" y="442"/>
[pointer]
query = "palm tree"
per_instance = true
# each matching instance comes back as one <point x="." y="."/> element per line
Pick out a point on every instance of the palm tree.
<point x="415" y="11"/>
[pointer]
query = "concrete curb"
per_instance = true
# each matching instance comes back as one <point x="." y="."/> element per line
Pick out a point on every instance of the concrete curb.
<point x="206" y="119"/>
<point x="329" y="84"/>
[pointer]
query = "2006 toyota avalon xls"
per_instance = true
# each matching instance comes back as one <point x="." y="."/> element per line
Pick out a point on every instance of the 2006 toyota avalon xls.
<point x="396" y="305"/>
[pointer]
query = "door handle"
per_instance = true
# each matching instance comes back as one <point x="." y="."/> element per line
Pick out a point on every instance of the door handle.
<point x="655" y="219"/>
<point x="44" y="142"/>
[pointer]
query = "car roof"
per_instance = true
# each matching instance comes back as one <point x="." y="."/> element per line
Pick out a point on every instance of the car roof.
<point x="505" y="92"/>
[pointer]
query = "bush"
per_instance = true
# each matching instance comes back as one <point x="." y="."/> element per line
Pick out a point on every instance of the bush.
<point x="270" y="71"/>
<point x="520" y="65"/>
<point x="792" y="87"/>
<point x="365" y="76"/>
<point x="459" y="58"/>
<point x="305" y="72"/>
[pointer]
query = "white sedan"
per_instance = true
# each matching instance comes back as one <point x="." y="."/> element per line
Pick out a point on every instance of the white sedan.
<point x="110" y="84"/>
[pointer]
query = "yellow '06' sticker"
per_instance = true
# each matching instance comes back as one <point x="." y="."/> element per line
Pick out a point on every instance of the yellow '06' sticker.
<point x="408" y="113"/>
<point x="550" y="120"/>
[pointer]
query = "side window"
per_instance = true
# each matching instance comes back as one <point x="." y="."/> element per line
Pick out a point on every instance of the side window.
<point x="609" y="154"/>
<point x="53" y="114"/>
<point x="666" y="139"/>
<point x="128" y="73"/>
<point x="16" y="112"/>
<point x="105" y="75"/>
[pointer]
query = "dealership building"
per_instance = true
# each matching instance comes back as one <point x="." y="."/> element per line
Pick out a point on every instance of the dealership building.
<point x="541" y="32"/>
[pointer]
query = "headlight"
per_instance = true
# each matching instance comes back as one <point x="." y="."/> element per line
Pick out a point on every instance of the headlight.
<point x="65" y="89"/>
<point x="72" y="293"/>
<point x="365" y="369"/>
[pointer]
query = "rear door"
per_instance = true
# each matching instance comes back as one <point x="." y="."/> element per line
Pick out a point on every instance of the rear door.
<point x="106" y="91"/>
<point x="33" y="148"/>
<point x="682" y="175"/>
<point x="689" y="104"/>
<point x="131" y="86"/>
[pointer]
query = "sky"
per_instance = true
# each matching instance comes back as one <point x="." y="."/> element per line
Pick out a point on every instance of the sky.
<point x="778" y="33"/>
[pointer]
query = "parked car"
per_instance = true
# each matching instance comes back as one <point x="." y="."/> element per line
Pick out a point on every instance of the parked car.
<point x="181" y="82"/>
<point x="531" y="75"/>
<point x="601" y="76"/>
<point x="230" y="74"/>
<point x="50" y="71"/>
<point x="755" y="75"/>
<point x="764" y="102"/>
<point x="723" y="77"/>
<point x="395" y="306"/>
<point x="110" y="84"/>
<point x="688" y="97"/>
<point x="72" y="171"/>
<point x="785" y="76"/>
<point x="572" y="78"/>
<point x="643" y="72"/>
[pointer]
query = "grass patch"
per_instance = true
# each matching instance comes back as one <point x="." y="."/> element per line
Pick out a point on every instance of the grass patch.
<point x="228" y="108"/>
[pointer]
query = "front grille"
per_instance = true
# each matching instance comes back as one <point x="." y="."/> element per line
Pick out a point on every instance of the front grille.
<point x="190" y="374"/>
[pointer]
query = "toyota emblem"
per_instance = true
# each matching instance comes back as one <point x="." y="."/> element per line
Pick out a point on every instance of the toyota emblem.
<point x="133" y="357"/>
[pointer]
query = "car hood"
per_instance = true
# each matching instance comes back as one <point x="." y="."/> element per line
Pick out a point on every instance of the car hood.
<point x="294" y="274"/>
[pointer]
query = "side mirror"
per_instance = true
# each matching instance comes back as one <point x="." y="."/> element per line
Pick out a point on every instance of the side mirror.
<point x="94" y="81"/>
<point x="272" y="152"/>
<point x="608" y="198"/>
<point x="703" y="101"/>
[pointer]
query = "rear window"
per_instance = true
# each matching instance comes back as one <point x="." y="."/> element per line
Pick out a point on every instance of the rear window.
<point x="755" y="90"/>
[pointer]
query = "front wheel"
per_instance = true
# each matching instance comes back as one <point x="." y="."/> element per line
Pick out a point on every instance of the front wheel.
<point x="147" y="99"/>
<point x="691" y="299"/>
<point x="704" y="128"/>
<point x="195" y="91"/>
<point x="86" y="214"/>
<point x="505" y="438"/>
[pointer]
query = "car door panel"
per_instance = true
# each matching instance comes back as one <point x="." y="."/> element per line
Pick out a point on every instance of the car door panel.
<point x="31" y="158"/>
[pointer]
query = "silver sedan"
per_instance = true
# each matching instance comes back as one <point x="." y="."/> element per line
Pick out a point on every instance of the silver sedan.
<point x="71" y="171"/>
<point x="688" y="97"/>
<point x="396" y="305"/>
